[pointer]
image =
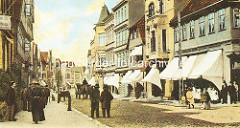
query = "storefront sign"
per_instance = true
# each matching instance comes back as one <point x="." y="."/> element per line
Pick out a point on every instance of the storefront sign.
<point x="5" y="22"/>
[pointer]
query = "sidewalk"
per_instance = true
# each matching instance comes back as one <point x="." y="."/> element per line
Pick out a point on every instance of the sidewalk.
<point x="57" y="116"/>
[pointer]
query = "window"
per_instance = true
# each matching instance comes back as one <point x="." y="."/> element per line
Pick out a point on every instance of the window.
<point x="176" y="35"/>
<point x="122" y="14"/>
<point x="119" y="17"/>
<point x="133" y="34"/>
<point x="153" y="42"/>
<point x="101" y="59"/>
<point x="125" y="12"/>
<point x="121" y="39"/>
<point x="221" y="14"/>
<point x="202" y="26"/>
<point x="116" y="17"/>
<point x="184" y="32"/>
<point x="28" y="10"/>
<point x="191" y="29"/>
<point x="137" y="33"/>
<point x="236" y="20"/>
<point x="211" y="22"/>
<point x="101" y="39"/>
<point x="161" y="6"/>
<point x="151" y="10"/>
<point x="164" y="40"/>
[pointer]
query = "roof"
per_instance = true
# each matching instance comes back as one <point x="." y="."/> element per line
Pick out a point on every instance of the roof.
<point x="104" y="13"/>
<point x="43" y="57"/>
<point x="194" y="5"/>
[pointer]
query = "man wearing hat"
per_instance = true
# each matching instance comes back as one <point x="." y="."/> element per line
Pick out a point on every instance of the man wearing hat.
<point x="94" y="97"/>
<point x="11" y="101"/>
<point x="106" y="98"/>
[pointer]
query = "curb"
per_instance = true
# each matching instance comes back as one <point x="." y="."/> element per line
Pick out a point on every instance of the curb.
<point x="89" y="118"/>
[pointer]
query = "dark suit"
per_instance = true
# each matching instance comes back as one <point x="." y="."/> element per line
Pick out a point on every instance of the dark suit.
<point x="11" y="100"/>
<point x="94" y="97"/>
<point x="105" y="99"/>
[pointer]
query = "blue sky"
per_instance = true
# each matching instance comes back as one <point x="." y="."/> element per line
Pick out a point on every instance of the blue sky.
<point x="66" y="26"/>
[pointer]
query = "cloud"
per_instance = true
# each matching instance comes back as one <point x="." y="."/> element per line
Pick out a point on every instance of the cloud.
<point x="94" y="7"/>
<point x="77" y="52"/>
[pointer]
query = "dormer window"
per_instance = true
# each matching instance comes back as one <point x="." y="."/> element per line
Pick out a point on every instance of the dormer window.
<point x="151" y="10"/>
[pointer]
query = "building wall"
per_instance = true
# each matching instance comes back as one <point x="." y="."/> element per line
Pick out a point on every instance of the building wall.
<point x="224" y="40"/>
<point x="159" y="22"/>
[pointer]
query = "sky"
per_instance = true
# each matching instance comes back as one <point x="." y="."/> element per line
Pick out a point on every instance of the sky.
<point x="66" y="26"/>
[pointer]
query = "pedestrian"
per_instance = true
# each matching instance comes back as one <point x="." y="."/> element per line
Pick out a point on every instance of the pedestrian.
<point x="223" y="93"/>
<point x="138" y="89"/>
<point x="11" y="102"/>
<point x="237" y="89"/>
<point x="85" y="82"/>
<point x="205" y="98"/>
<point x="190" y="99"/>
<point x="47" y="92"/>
<point x="106" y="98"/>
<point x="38" y="103"/>
<point x="94" y="97"/>
<point x="233" y="93"/>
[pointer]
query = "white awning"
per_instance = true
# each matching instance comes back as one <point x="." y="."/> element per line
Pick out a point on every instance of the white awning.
<point x="135" y="75"/>
<point x="136" y="51"/>
<point x="153" y="77"/>
<point x="92" y="81"/>
<point x="171" y="68"/>
<point x="107" y="79"/>
<point x="187" y="67"/>
<point x="114" y="81"/>
<point x="210" y="68"/>
<point x="125" y="78"/>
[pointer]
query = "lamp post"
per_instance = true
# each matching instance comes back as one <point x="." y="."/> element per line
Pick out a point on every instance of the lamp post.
<point x="181" y="87"/>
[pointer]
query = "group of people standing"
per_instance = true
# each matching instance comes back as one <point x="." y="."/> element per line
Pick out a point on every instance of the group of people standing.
<point x="34" y="99"/>
<point x="105" y="99"/>
<point x="231" y="90"/>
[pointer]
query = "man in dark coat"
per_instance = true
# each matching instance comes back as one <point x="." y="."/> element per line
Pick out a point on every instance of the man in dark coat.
<point x="224" y="92"/>
<point x="47" y="92"/>
<point x="11" y="101"/>
<point x="105" y="99"/>
<point x="38" y="103"/>
<point x="85" y="82"/>
<point x="94" y="97"/>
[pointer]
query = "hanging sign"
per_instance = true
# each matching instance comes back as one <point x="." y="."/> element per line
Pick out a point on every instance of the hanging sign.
<point x="5" y="22"/>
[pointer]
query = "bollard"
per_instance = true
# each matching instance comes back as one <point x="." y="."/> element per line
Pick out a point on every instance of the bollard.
<point x="69" y="103"/>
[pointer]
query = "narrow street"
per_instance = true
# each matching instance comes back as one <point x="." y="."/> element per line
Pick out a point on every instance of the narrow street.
<point x="56" y="116"/>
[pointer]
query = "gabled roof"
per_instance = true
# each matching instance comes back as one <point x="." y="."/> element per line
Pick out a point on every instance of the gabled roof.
<point x="43" y="57"/>
<point x="104" y="13"/>
<point x="194" y="5"/>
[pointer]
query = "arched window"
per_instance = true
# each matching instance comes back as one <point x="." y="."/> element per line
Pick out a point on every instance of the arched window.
<point x="151" y="10"/>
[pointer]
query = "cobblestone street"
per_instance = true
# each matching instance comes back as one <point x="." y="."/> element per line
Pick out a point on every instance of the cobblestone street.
<point x="132" y="114"/>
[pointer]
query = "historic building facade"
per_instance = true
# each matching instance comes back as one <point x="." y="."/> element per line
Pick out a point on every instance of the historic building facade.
<point x="209" y="42"/>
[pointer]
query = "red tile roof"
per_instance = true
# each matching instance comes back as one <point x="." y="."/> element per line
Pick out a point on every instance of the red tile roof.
<point x="194" y="5"/>
<point x="43" y="57"/>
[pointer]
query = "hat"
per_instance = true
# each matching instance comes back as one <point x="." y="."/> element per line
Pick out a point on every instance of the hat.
<point x="96" y="86"/>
